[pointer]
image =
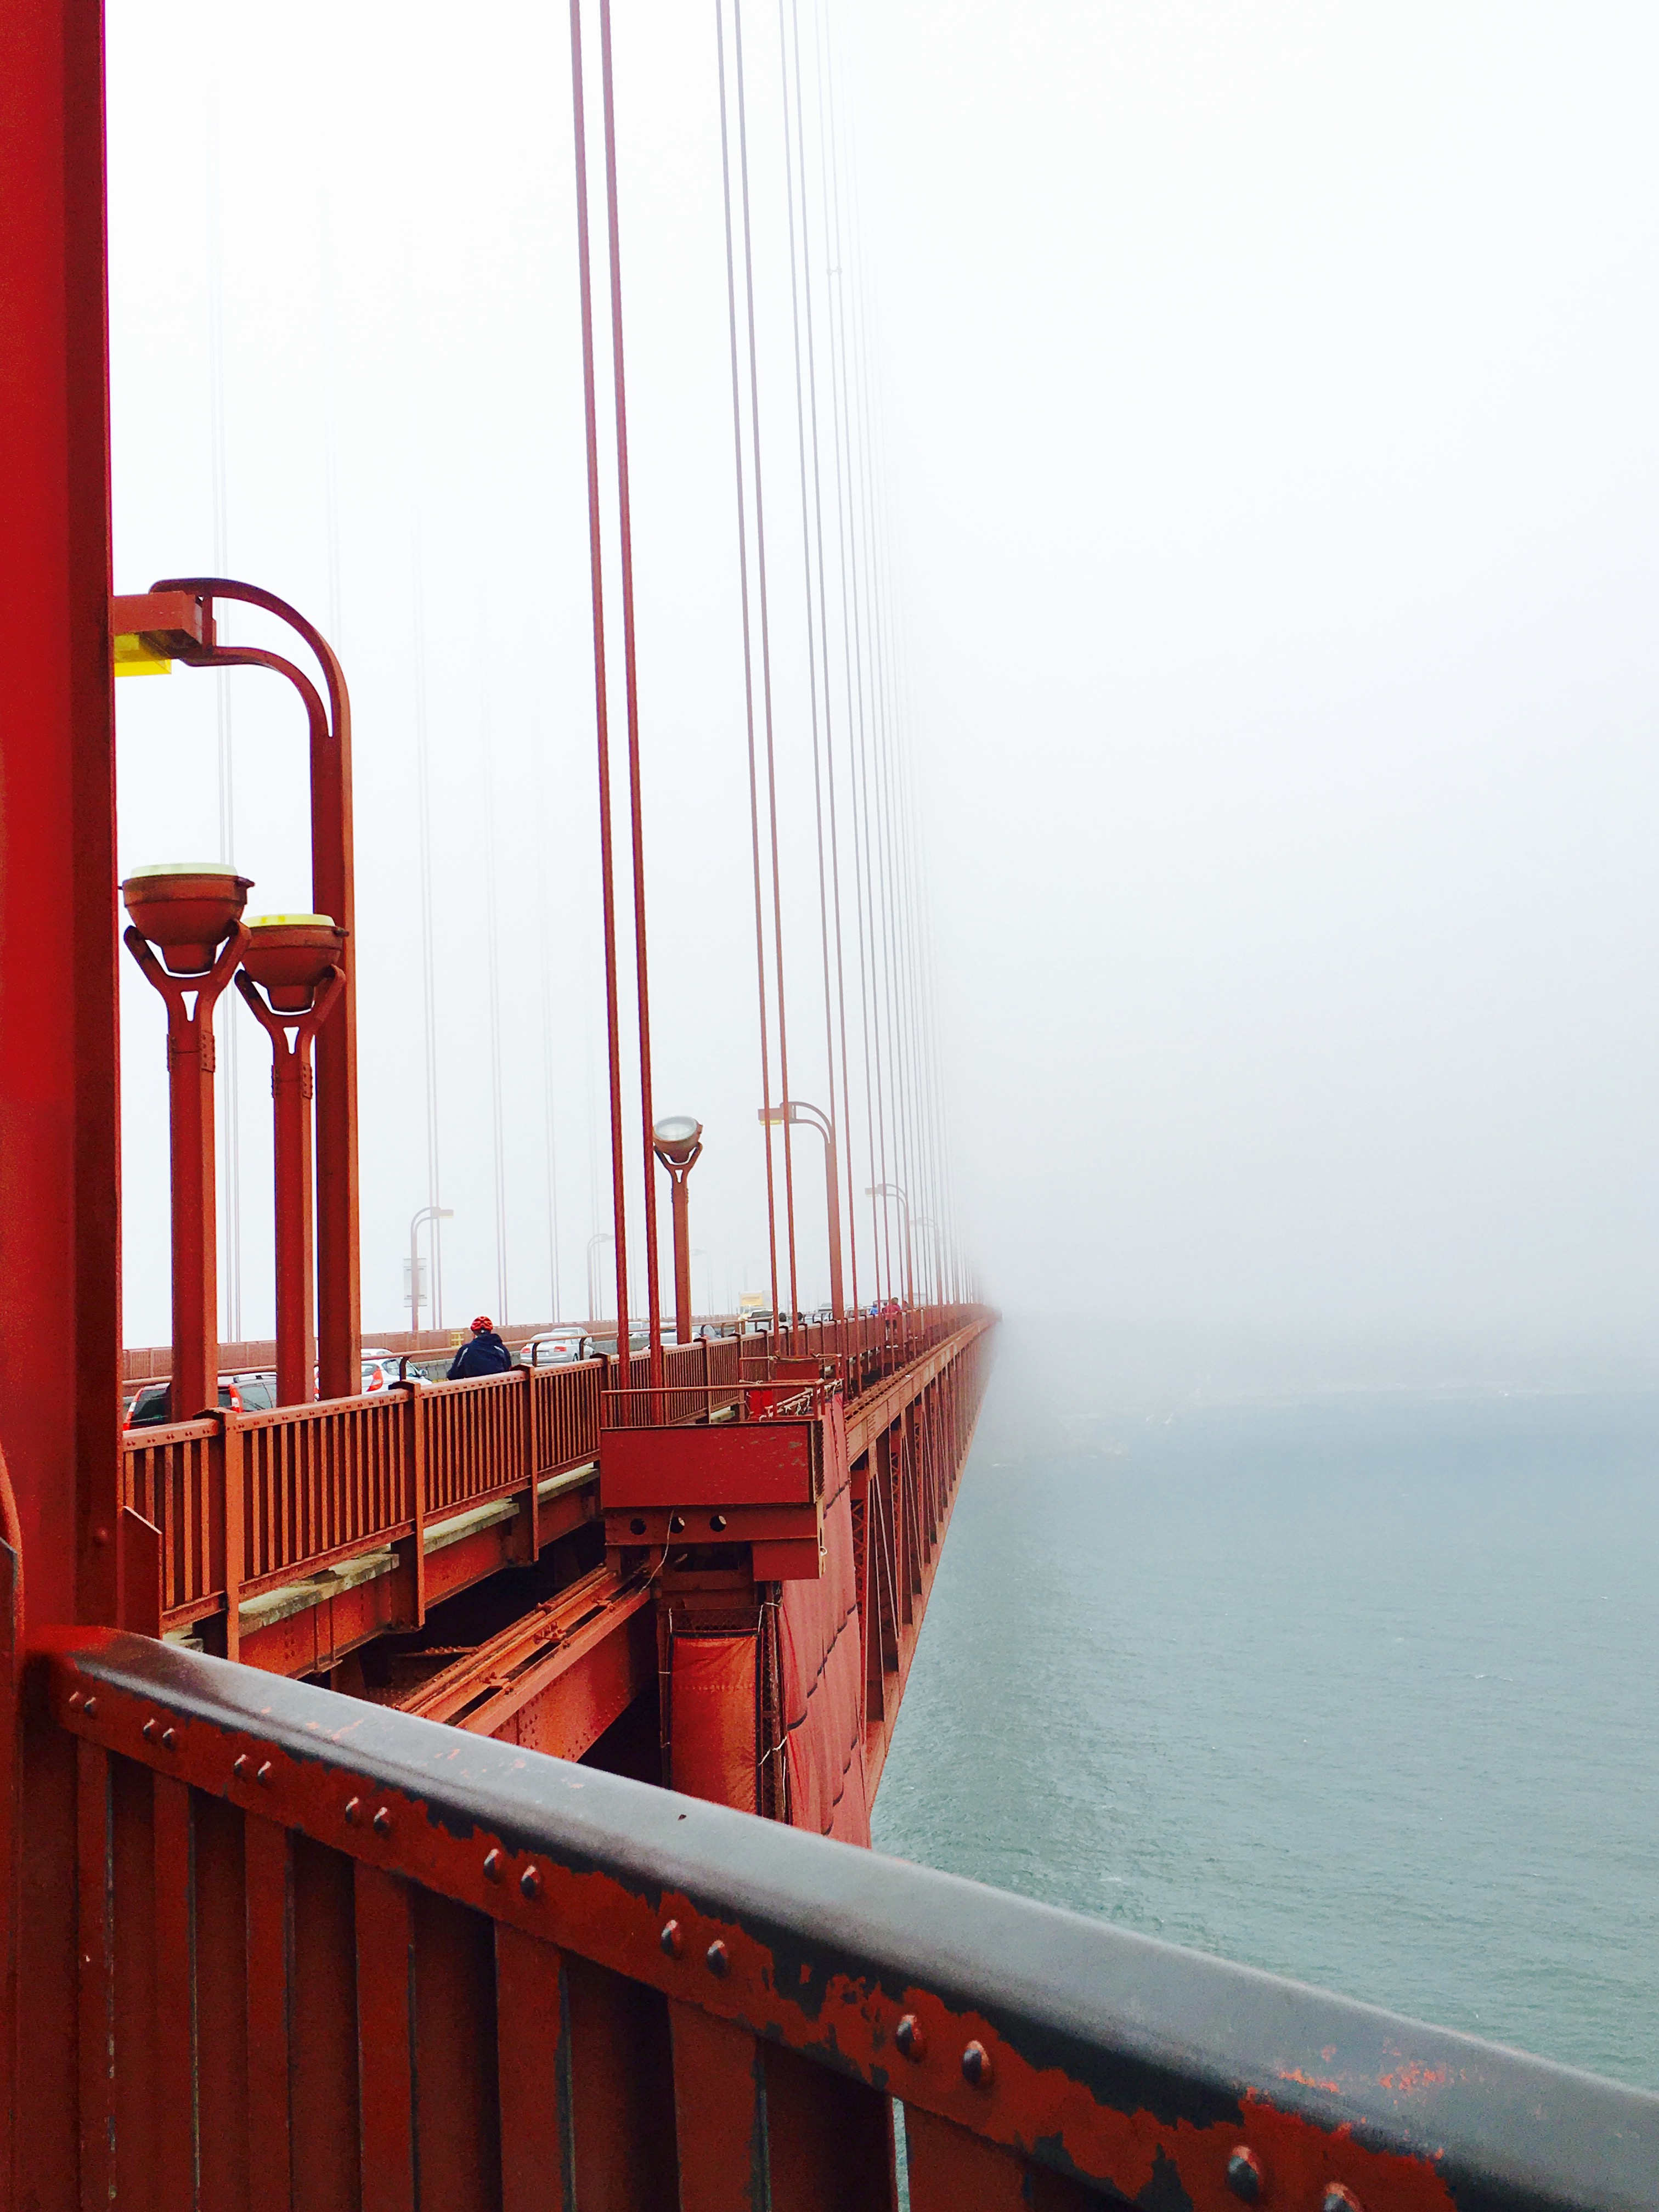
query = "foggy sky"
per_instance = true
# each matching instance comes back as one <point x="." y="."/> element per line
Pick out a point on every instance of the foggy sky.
<point x="1265" y="423"/>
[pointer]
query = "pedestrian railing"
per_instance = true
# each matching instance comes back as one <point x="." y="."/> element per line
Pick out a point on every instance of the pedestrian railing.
<point x="395" y="1964"/>
<point x="247" y="1503"/>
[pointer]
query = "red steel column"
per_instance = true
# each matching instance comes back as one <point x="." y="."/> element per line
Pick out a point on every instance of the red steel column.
<point x="60" y="1276"/>
<point x="190" y="1123"/>
<point x="682" y="1263"/>
<point x="60" y="1302"/>
<point x="291" y="1091"/>
<point x="195" y="1256"/>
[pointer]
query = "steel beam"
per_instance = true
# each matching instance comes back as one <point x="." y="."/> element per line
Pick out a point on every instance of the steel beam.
<point x="60" y="1306"/>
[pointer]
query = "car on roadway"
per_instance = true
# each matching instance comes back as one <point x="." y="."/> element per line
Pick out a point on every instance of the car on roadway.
<point x="555" y="1348"/>
<point x="238" y="1394"/>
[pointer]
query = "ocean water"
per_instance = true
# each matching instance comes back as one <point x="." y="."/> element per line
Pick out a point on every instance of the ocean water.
<point x="1360" y="1691"/>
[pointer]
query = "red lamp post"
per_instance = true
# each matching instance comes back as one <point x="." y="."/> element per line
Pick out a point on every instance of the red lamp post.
<point x="176" y="619"/>
<point x="799" y="1110"/>
<point x="677" y="1144"/>
<point x="193" y="914"/>
<point x="297" y="959"/>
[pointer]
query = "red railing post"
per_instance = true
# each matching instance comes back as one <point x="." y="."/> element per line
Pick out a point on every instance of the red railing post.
<point x="230" y="1481"/>
<point x="414" y="1459"/>
<point x="530" y="1515"/>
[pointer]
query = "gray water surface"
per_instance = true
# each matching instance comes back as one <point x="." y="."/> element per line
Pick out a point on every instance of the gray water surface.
<point x="1361" y="1691"/>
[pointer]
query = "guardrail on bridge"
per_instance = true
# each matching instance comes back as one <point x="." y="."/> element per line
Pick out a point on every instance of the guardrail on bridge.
<point x="410" y="1966"/>
<point x="246" y="1503"/>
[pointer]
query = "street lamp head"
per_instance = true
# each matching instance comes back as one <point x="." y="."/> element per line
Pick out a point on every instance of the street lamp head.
<point x="292" y="955"/>
<point x="678" y="1140"/>
<point x="186" y="909"/>
<point x="771" y="1118"/>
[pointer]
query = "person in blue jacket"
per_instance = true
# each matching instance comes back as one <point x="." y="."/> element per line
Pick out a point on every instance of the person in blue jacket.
<point x="482" y="1354"/>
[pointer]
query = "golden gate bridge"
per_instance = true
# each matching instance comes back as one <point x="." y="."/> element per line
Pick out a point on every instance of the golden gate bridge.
<point x="458" y="1793"/>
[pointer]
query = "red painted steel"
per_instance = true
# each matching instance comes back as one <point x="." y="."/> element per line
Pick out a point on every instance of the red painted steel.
<point x="713" y="1705"/>
<point x="333" y="893"/>
<point x="60" y="1307"/>
<point x="408" y="1890"/>
<point x="821" y="1654"/>
<point x="291" y="1091"/>
<point x="190" y="1063"/>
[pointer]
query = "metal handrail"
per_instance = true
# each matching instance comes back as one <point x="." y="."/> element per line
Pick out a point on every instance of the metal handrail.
<point x="1032" y="2050"/>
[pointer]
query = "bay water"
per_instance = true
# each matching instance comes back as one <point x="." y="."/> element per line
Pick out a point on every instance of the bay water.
<point x="1360" y="1689"/>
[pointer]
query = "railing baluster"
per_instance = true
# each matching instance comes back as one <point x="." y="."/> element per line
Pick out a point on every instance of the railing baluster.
<point x="94" y="1946"/>
<point x="622" y="2090"/>
<point x="533" y="2073"/>
<point x="719" y="2114"/>
<point x="948" y="2168"/>
<point x="458" y="2110"/>
<point x="323" y="2022"/>
<point x="173" y="1910"/>
<point x="221" y="1954"/>
<point x="831" y="2139"/>
<point x="385" y="1927"/>
<point x="268" y="1883"/>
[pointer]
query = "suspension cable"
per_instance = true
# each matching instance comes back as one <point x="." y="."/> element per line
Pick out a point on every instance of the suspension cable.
<point x="766" y="660"/>
<point x="601" y="709"/>
<point x="748" y="656"/>
<point x="809" y="516"/>
<point x="631" y="666"/>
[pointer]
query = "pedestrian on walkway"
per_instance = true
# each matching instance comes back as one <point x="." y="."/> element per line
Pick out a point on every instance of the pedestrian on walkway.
<point x="483" y="1354"/>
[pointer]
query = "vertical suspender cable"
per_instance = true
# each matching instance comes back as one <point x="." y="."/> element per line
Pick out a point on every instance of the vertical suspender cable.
<point x="832" y="274"/>
<point x="808" y="514"/>
<point x="230" y="1118"/>
<point x="492" y="954"/>
<point x="882" y="860"/>
<point x="618" y="1184"/>
<point x="654" y="1289"/>
<point x="747" y="649"/>
<point x="846" y="1116"/>
<point x="548" y="1127"/>
<point x="428" y="949"/>
<point x="766" y="657"/>
<point x="857" y="761"/>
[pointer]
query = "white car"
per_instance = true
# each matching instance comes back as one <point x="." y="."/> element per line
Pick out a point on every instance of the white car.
<point x="380" y="1368"/>
<point x="554" y="1347"/>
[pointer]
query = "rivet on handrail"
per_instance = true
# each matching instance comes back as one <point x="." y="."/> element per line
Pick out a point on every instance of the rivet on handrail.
<point x="381" y="1823"/>
<point x="492" y="1866"/>
<point x="672" y="1941"/>
<point x="717" y="1957"/>
<point x="531" y="1882"/>
<point x="976" y="2068"/>
<point x="1244" y="2174"/>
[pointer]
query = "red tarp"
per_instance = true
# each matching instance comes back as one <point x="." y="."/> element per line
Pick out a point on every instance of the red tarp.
<point x="712" y="1694"/>
<point x="823" y="1670"/>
